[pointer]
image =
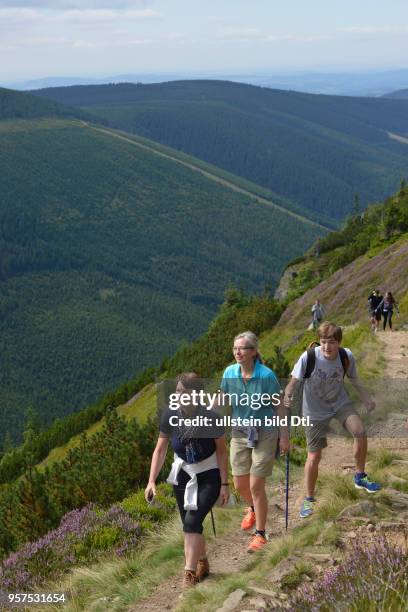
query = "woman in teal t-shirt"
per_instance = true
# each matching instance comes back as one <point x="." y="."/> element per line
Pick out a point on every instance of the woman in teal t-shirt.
<point x="253" y="448"/>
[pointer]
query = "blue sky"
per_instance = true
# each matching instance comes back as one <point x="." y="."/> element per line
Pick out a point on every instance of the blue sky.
<point x="94" y="37"/>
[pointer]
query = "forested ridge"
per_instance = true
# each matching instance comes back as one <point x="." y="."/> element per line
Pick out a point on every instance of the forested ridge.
<point x="110" y="256"/>
<point x="318" y="151"/>
<point x="22" y="105"/>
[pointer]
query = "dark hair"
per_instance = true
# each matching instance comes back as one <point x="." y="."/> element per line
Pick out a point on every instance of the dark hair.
<point x="191" y="380"/>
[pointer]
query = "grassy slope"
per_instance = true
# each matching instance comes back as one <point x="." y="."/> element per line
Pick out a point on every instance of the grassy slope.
<point x="107" y="233"/>
<point x="316" y="150"/>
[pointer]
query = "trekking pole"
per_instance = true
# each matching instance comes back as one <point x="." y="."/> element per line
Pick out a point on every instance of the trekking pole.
<point x="287" y="492"/>
<point x="287" y="480"/>
<point x="213" y="523"/>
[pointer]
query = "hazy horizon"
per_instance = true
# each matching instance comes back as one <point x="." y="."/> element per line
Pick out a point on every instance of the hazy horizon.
<point x="97" y="38"/>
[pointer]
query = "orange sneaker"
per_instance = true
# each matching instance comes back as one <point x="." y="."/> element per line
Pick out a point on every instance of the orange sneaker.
<point x="257" y="542"/>
<point x="249" y="519"/>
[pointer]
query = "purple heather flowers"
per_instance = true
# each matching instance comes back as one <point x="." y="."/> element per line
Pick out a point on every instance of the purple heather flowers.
<point x="82" y="536"/>
<point x="371" y="575"/>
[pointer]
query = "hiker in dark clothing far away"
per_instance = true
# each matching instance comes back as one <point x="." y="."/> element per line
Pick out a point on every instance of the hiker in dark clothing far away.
<point x="386" y="308"/>
<point x="374" y="300"/>
<point x="318" y="312"/>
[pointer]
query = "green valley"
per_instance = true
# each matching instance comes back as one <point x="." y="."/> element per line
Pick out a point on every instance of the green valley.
<point x="112" y="254"/>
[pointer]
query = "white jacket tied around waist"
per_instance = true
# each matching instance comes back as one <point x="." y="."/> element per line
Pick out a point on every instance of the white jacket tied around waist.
<point x="192" y="469"/>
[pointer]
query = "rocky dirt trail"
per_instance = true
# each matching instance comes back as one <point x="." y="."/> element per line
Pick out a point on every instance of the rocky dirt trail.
<point x="228" y="553"/>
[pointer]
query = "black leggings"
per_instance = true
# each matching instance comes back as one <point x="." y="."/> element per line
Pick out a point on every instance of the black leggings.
<point x="387" y="315"/>
<point x="209" y="485"/>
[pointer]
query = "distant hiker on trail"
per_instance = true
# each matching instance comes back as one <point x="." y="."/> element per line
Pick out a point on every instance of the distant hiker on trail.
<point x="374" y="300"/>
<point x="253" y="448"/>
<point x="325" y="397"/>
<point x="386" y="308"/>
<point x="318" y="312"/>
<point x="199" y="473"/>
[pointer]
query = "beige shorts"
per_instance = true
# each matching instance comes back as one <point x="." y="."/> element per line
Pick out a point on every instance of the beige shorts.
<point x="257" y="461"/>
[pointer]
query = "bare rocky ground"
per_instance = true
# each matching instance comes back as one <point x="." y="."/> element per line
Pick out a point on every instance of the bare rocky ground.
<point x="228" y="553"/>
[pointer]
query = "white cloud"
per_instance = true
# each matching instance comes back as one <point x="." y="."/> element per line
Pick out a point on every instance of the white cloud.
<point x="98" y="15"/>
<point x="375" y="29"/>
<point x="83" y="44"/>
<point x="18" y="14"/>
<point x="92" y="16"/>
<point x="74" y="4"/>
<point x="236" y="34"/>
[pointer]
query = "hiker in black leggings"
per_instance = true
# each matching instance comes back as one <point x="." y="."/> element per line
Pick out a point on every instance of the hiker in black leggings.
<point x="386" y="307"/>
<point x="199" y="472"/>
<point x="209" y="485"/>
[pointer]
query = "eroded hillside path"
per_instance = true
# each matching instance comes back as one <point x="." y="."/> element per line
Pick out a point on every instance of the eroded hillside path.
<point x="228" y="554"/>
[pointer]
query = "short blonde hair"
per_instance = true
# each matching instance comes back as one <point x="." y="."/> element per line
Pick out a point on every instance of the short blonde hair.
<point x="330" y="330"/>
<point x="253" y="342"/>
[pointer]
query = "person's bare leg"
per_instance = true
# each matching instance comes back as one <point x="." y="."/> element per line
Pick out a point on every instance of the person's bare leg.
<point x="203" y="553"/>
<point x="193" y="547"/>
<point x="242" y="485"/>
<point x="260" y="504"/>
<point x="360" y="453"/>
<point x="312" y="471"/>
<point x="355" y="426"/>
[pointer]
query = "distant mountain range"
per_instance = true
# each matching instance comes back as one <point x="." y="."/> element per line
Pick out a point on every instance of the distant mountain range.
<point x="316" y="151"/>
<point x="400" y="94"/>
<point x="364" y="83"/>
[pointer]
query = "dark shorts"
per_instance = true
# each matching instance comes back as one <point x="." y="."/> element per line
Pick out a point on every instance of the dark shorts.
<point x="375" y="314"/>
<point x="316" y="436"/>
<point x="209" y="486"/>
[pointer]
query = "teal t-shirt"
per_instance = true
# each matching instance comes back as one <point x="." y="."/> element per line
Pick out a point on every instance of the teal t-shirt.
<point x="246" y="398"/>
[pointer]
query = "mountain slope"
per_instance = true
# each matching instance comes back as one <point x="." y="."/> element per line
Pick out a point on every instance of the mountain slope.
<point x="315" y="150"/>
<point x="19" y="105"/>
<point x="111" y="255"/>
<point x="400" y="94"/>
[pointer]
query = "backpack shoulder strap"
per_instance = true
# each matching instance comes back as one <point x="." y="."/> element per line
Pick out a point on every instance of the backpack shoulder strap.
<point x="345" y="361"/>
<point x="311" y="362"/>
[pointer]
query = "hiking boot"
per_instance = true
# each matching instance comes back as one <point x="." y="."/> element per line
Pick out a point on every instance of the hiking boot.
<point x="189" y="579"/>
<point x="362" y="481"/>
<point x="249" y="519"/>
<point x="307" y="508"/>
<point x="257" y="542"/>
<point x="203" y="569"/>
